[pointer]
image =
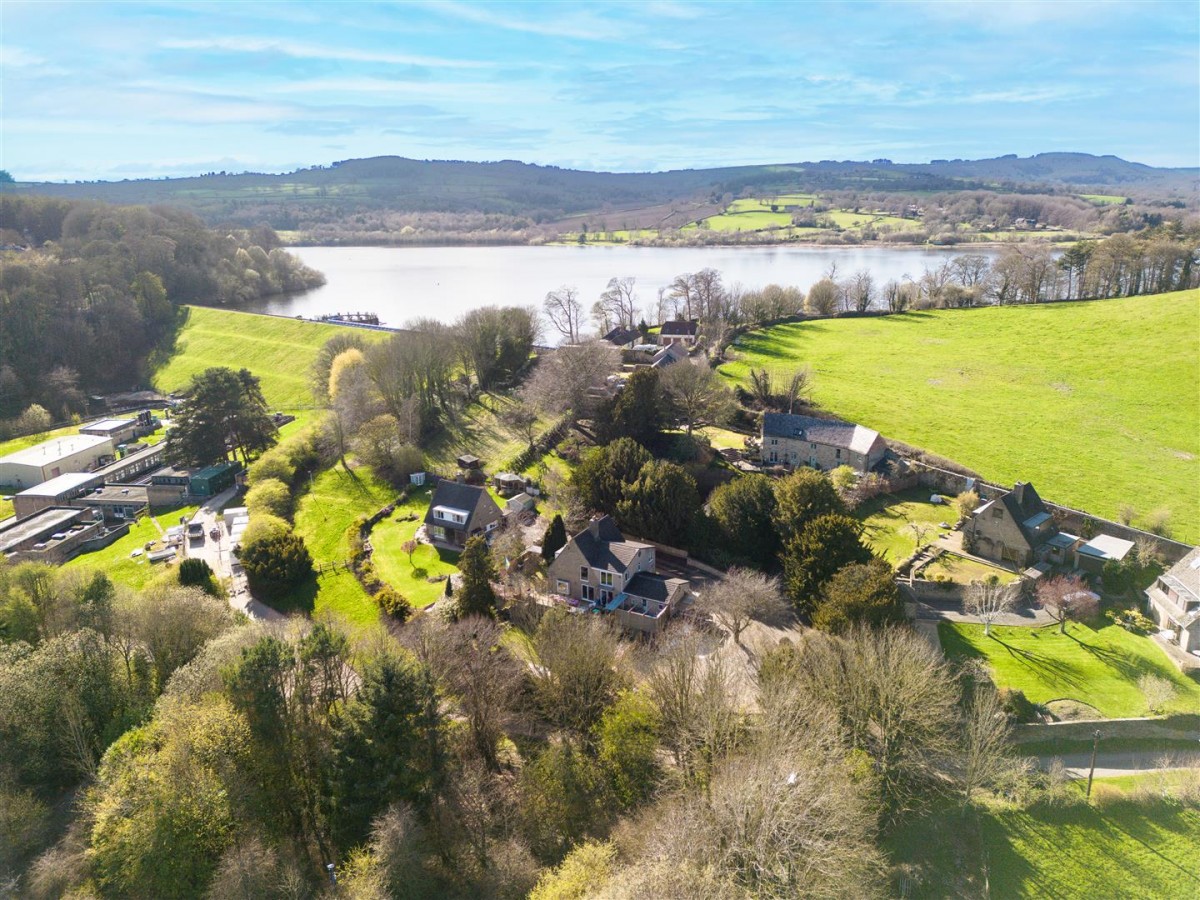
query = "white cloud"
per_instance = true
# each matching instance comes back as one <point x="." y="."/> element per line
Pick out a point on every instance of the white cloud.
<point x="583" y="27"/>
<point x="301" y="50"/>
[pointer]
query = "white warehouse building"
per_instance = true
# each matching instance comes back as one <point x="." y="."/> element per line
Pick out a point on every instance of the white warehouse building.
<point x="49" y="459"/>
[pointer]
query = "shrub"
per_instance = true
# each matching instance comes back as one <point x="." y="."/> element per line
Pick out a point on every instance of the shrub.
<point x="272" y="464"/>
<point x="275" y="564"/>
<point x="198" y="573"/>
<point x="1017" y="705"/>
<point x="393" y="603"/>
<point x="263" y="526"/>
<point x="270" y="496"/>
<point x="1131" y="620"/>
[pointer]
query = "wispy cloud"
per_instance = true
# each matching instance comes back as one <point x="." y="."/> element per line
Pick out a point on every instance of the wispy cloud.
<point x="576" y="26"/>
<point x="300" y="50"/>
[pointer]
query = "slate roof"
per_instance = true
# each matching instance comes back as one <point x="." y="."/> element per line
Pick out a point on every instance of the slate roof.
<point x="678" y="329"/>
<point x="620" y="337"/>
<point x="1184" y="576"/>
<point x="457" y="495"/>
<point x="652" y="586"/>
<point x="607" y="547"/>
<point x="1105" y="546"/>
<point x="668" y="355"/>
<point x="820" y="431"/>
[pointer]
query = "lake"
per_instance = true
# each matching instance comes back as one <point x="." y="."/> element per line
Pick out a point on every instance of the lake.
<point x="402" y="283"/>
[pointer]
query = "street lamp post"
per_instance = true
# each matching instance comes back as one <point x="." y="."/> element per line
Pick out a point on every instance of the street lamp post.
<point x="1092" y="770"/>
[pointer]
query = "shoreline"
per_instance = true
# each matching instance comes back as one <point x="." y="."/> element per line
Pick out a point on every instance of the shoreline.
<point x="774" y="245"/>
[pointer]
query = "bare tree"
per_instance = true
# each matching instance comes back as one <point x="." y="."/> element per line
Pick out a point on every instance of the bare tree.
<point x="984" y="757"/>
<point x="570" y="379"/>
<point x="862" y="290"/>
<point x="696" y="391"/>
<point x="741" y="596"/>
<point x="577" y="677"/>
<point x="565" y="312"/>
<point x="822" y="298"/>
<point x="797" y="387"/>
<point x="1067" y="597"/>
<point x="988" y="600"/>
<point x="1157" y="690"/>
<point x="619" y="302"/>
<point x="524" y="419"/>
<point x="477" y="672"/>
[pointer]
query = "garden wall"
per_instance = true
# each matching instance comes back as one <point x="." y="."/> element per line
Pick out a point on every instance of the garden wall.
<point x="944" y="481"/>
<point x="1169" y="728"/>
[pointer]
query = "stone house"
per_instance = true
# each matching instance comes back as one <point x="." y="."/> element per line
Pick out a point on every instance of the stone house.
<point x="458" y="512"/>
<point x="1010" y="529"/>
<point x="1173" y="602"/>
<point x="598" y="569"/>
<point x="789" y="440"/>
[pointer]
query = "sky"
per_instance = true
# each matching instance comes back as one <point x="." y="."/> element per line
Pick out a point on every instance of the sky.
<point x="100" y="90"/>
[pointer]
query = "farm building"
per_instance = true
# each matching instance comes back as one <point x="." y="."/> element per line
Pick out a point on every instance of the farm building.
<point x="49" y="459"/>
<point x="820" y="443"/>
<point x="52" y="535"/>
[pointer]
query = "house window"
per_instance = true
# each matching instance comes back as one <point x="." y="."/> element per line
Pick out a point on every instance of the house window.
<point x="587" y="592"/>
<point x="774" y="441"/>
<point x="606" y="596"/>
<point x="583" y="573"/>
<point x="837" y="454"/>
<point x="606" y="579"/>
<point x="439" y="532"/>
<point x="562" y="587"/>
<point x="812" y="446"/>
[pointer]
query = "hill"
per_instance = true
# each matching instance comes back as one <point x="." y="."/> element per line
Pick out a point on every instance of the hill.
<point x="518" y="195"/>
<point x="279" y="351"/>
<point x="1097" y="403"/>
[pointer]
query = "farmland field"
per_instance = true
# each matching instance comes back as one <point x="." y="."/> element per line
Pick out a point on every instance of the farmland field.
<point x="278" y="350"/>
<point x="1097" y="404"/>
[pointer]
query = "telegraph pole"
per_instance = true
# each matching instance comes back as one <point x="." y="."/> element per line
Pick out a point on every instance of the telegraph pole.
<point x="1092" y="771"/>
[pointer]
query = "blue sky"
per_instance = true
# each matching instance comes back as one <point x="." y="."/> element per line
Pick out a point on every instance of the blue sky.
<point x="123" y="90"/>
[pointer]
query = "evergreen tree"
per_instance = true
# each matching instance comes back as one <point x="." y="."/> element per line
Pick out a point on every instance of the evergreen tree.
<point x="276" y="563"/>
<point x="860" y="594"/>
<point x="661" y="505"/>
<point x="475" y="595"/>
<point x="801" y="497"/>
<point x="825" y="545"/>
<point x="636" y="412"/>
<point x="554" y="539"/>
<point x="385" y="745"/>
<point x="224" y="411"/>
<point x="743" y="510"/>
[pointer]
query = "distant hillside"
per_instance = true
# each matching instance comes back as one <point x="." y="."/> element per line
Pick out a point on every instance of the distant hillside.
<point x="508" y="196"/>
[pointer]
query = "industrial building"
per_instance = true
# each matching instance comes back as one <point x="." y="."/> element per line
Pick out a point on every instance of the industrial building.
<point x="51" y="536"/>
<point x="57" y="456"/>
<point x="120" y="431"/>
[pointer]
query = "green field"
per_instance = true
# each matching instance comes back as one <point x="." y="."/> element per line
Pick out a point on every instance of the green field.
<point x="323" y="514"/>
<point x="1104" y="199"/>
<point x="1099" y="667"/>
<point x="279" y="351"/>
<point x="1097" y="404"/>
<point x="115" y="560"/>
<point x="1144" y="848"/>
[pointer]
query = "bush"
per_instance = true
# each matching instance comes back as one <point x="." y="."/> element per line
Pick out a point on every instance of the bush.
<point x="198" y="573"/>
<point x="275" y="564"/>
<point x="270" y="496"/>
<point x="272" y="464"/>
<point x="1017" y="705"/>
<point x="263" y="526"/>
<point x="393" y="603"/>
<point x="1131" y="620"/>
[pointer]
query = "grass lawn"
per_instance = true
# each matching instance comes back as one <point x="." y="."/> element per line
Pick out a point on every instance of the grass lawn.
<point x="886" y="519"/>
<point x="392" y="563"/>
<point x="722" y="438"/>
<point x="322" y="516"/>
<point x="964" y="571"/>
<point x="6" y="509"/>
<point x="279" y="351"/>
<point x="115" y="561"/>
<point x="1097" y="404"/>
<point x="1099" y="667"/>
<point x="1121" y="848"/>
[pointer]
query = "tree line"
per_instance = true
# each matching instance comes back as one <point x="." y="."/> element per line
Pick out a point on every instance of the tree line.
<point x="95" y="294"/>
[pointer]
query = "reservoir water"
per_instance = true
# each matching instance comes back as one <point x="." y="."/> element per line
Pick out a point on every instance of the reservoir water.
<point x="403" y="283"/>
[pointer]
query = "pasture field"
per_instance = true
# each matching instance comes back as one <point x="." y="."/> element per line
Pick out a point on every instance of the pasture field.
<point x="278" y="350"/>
<point x="1096" y="403"/>
<point x="1104" y="199"/>
<point x="1096" y="666"/>
<point x="1121" y="846"/>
